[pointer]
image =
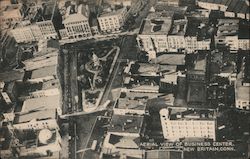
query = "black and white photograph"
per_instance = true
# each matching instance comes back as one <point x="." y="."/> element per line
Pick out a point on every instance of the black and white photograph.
<point x="124" y="79"/>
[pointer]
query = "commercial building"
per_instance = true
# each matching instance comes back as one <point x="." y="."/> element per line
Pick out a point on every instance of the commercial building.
<point x="11" y="14"/>
<point x="40" y="22"/>
<point x="30" y="143"/>
<point x="174" y="3"/>
<point x="153" y="33"/>
<point x="227" y="33"/>
<point x="111" y="20"/>
<point x="143" y="78"/>
<point x="123" y="135"/>
<point x="184" y="123"/>
<point x="76" y="23"/>
<point x="168" y="31"/>
<point x="197" y="36"/>
<point x="130" y="103"/>
<point x="242" y="86"/>
<point x="197" y="78"/>
<point x="231" y="8"/>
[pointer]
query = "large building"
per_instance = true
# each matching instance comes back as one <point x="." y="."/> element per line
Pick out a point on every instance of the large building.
<point x="242" y="87"/>
<point x="30" y="143"/>
<point x="231" y="8"/>
<point x="184" y="123"/>
<point x="227" y="33"/>
<point x="40" y="22"/>
<point x="111" y="20"/>
<point x="76" y="23"/>
<point x="11" y="14"/>
<point x="164" y="31"/>
<point x="124" y="135"/>
<point x="153" y="34"/>
<point x="197" y="78"/>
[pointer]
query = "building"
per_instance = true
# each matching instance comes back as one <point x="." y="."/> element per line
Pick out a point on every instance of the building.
<point x="141" y="77"/>
<point x="184" y="123"/>
<point x="10" y="15"/>
<point x="124" y="135"/>
<point x="30" y="143"/>
<point x="198" y="35"/>
<point x="176" y="39"/>
<point x="76" y="23"/>
<point x="231" y="8"/>
<point x="40" y="22"/>
<point x="242" y="86"/>
<point x="111" y="20"/>
<point x="153" y="33"/>
<point x="197" y="78"/>
<point x="174" y="3"/>
<point x="227" y="33"/>
<point x="244" y="36"/>
<point x="130" y="103"/>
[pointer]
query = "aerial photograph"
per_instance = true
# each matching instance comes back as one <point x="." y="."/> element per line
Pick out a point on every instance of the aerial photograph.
<point x="124" y="79"/>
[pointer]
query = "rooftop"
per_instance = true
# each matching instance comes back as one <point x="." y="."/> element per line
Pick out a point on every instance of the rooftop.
<point x="196" y="93"/>
<point x="171" y="59"/>
<point x="182" y="113"/>
<point x="158" y="23"/>
<point x="228" y="27"/>
<point x="178" y="27"/>
<point x="136" y="102"/>
<point x="198" y="28"/>
<point x="110" y="12"/>
<point x="35" y="115"/>
<point x="126" y="124"/>
<point x="44" y="72"/>
<point x="76" y="13"/>
<point x="236" y="6"/>
<point x="12" y="75"/>
<point x="42" y="103"/>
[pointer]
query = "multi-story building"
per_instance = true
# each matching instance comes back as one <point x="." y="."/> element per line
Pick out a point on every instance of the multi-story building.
<point x="242" y="86"/>
<point x="130" y="103"/>
<point x="112" y="20"/>
<point x="197" y="78"/>
<point x="30" y="143"/>
<point x="11" y="14"/>
<point x="227" y="33"/>
<point x="176" y="39"/>
<point x="124" y="135"/>
<point x="76" y="23"/>
<point x="40" y="22"/>
<point x="197" y="36"/>
<point x="231" y="8"/>
<point x="153" y="34"/>
<point x="183" y="123"/>
<point x="244" y="36"/>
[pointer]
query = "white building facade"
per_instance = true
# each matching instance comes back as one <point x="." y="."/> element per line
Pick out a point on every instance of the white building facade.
<point x="186" y="127"/>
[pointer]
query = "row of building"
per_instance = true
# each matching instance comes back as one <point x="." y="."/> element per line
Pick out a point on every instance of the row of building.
<point x="170" y="31"/>
<point x="30" y="124"/>
<point x="39" y="20"/>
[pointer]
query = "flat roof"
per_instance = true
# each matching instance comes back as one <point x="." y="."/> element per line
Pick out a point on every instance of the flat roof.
<point x="126" y="124"/>
<point x="200" y="63"/>
<point x="44" y="72"/>
<point x="196" y="93"/>
<point x="12" y="75"/>
<point x="178" y="27"/>
<point x="136" y="104"/>
<point x="182" y="113"/>
<point x="171" y="59"/>
<point x="237" y="6"/>
<point x="39" y="114"/>
<point x="112" y="13"/>
<point x="158" y="23"/>
<point x="50" y="102"/>
<point x="198" y="27"/>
